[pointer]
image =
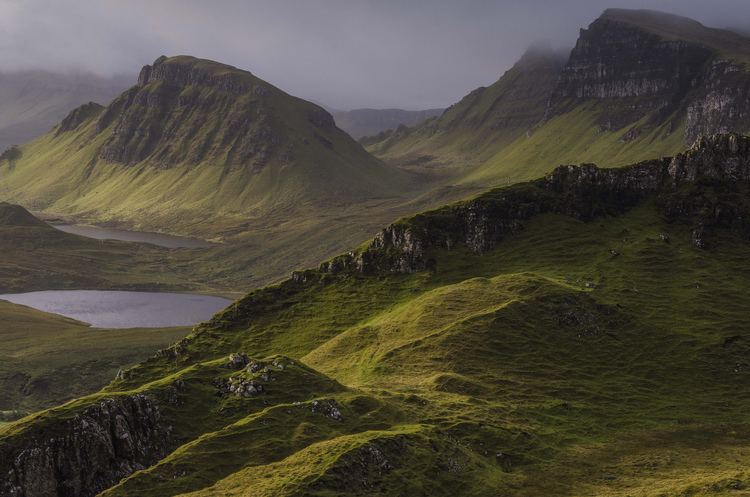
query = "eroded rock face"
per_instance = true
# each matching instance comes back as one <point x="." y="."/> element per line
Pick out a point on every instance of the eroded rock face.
<point x="633" y="72"/>
<point x="584" y="192"/>
<point x="86" y="454"/>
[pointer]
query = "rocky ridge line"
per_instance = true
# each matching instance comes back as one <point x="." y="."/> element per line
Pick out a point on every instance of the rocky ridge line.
<point x="584" y="192"/>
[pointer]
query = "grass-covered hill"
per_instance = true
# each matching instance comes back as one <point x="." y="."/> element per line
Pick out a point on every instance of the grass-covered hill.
<point x="36" y="256"/>
<point x="46" y="359"/>
<point x="638" y="84"/>
<point x="580" y="334"/>
<point x="196" y="147"/>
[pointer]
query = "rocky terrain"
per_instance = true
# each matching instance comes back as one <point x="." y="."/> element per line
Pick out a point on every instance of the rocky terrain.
<point x="637" y="84"/>
<point x="402" y="360"/>
<point x="584" y="192"/>
<point x="88" y="453"/>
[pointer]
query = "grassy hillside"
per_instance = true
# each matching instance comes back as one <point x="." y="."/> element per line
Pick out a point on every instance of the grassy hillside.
<point x="638" y="84"/>
<point x="197" y="147"/>
<point x="38" y="257"/>
<point x="592" y="349"/>
<point x="46" y="359"/>
<point x="480" y="124"/>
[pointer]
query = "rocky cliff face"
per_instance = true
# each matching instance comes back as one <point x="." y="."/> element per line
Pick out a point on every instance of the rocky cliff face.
<point x="682" y="185"/>
<point x="86" y="454"/>
<point x="639" y="64"/>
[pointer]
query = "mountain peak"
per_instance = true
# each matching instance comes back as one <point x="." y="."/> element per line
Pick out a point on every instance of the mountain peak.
<point x="673" y="27"/>
<point x="650" y="19"/>
<point x="185" y="70"/>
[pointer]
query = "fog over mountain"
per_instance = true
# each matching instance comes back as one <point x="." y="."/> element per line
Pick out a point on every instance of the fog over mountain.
<point x="346" y="53"/>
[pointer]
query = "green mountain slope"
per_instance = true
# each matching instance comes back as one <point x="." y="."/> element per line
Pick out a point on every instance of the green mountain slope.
<point x="196" y="147"/>
<point x="638" y="84"/>
<point x="580" y="334"/>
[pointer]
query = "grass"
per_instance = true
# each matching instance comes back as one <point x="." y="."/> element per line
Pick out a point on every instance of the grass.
<point x="46" y="359"/>
<point x="544" y="367"/>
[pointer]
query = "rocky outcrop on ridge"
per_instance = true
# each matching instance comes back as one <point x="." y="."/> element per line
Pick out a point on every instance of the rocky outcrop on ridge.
<point x="87" y="453"/>
<point x="584" y="192"/>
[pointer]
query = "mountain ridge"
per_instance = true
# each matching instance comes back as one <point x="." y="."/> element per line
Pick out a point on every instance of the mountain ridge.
<point x="629" y="90"/>
<point x="350" y="362"/>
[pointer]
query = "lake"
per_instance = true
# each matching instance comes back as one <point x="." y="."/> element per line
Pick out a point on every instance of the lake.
<point x="162" y="240"/>
<point x="117" y="309"/>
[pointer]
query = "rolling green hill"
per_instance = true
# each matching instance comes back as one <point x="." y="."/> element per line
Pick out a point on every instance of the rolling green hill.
<point x="46" y="359"/>
<point x="638" y="84"/>
<point x="37" y="256"/>
<point x="579" y="334"/>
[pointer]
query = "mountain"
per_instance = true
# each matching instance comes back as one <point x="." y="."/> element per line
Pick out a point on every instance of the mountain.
<point x="505" y="110"/>
<point x="638" y="84"/>
<point x="196" y="146"/>
<point x="369" y="122"/>
<point x="32" y="102"/>
<point x="578" y="334"/>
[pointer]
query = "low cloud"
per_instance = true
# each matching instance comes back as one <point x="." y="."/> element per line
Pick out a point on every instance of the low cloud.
<point x="343" y="53"/>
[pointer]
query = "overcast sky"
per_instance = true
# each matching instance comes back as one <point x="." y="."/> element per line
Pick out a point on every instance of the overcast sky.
<point x="343" y="53"/>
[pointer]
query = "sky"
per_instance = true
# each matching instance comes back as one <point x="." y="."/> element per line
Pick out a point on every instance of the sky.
<point x="412" y="54"/>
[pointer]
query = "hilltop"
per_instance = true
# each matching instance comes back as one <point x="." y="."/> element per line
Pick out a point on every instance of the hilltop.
<point x="637" y="84"/>
<point x="578" y="334"/>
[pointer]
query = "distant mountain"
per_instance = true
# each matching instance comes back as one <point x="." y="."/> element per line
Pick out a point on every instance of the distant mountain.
<point x="637" y="84"/>
<point x="368" y="122"/>
<point x="32" y="102"/>
<point x="196" y="146"/>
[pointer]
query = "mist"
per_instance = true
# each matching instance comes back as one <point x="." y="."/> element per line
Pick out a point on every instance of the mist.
<point x="341" y="53"/>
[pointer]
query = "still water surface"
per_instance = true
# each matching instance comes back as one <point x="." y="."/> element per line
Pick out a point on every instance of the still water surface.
<point x="99" y="233"/>
<point x="115" y="309"/>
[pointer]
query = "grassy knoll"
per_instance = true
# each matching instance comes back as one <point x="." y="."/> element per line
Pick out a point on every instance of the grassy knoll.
<point x="548" y="366"/>
<point x="46" y="359"/>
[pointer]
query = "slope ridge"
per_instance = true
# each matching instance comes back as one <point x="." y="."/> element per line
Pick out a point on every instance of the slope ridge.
<point x="637" y="85"/>
<point x="519" y="339"/>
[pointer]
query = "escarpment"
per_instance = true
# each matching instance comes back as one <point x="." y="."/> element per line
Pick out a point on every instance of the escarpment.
<point x="88" y="453"/>
<point x="680" y="185"/>
<point x="647" y="68"/>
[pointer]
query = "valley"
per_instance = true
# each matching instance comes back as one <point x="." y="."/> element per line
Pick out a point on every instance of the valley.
<point x="208" y="287"/>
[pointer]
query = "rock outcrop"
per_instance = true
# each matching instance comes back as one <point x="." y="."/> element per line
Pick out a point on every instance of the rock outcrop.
<point x="639" y="64"/>
<point x="78" y="116"/>
<point x="83" y="455"/>
<point x="584" y="192"/>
